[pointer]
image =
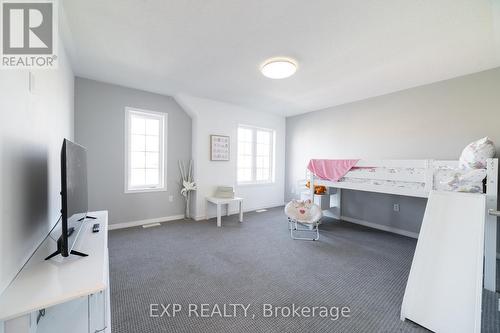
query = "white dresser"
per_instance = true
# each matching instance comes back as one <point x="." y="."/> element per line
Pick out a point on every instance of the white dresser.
<point x="72" y="292"/>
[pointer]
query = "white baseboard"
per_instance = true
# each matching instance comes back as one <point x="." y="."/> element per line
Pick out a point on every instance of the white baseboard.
<point x="122" y="225"/>
<point x="380" y="227"/>
<point x="236" y="211"/>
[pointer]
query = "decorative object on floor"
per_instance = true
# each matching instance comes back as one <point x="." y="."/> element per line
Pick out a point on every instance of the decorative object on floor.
<point x="219" y="148"/>
<point x="224" y="192"/>
<point x="188" y="185"/>
<point x="304" y="214"/>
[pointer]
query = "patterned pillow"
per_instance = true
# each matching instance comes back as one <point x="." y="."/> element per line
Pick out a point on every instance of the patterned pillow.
<point x="474" y="156"/>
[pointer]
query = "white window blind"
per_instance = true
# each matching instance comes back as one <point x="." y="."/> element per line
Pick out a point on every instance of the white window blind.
<point x="255" y="155"/>
<point x="145" y="150"/>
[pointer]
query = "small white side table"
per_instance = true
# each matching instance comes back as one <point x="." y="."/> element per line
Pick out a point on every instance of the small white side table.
<point x="224" y="201"/>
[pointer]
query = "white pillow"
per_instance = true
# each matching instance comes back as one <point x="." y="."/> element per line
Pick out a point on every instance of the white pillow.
<point x="474" y="156"/>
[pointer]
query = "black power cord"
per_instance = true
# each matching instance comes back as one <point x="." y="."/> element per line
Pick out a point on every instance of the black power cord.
<point x="41" y="313"/>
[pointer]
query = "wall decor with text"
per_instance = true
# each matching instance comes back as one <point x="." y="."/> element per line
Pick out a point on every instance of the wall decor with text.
<point x="219" y="148"/>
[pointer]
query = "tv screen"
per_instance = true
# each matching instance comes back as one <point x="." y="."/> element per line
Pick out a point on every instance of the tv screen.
<point x="73" y="193"/>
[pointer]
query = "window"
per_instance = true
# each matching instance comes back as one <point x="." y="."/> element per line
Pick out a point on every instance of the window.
<point x="255" y="155"/>
<point x="144" y="150"/>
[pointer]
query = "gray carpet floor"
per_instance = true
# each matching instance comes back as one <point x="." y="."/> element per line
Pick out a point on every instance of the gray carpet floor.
<point x="256" y="263"/>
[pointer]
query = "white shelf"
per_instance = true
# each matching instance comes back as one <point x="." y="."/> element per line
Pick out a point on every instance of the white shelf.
<point x="45" y="283"/>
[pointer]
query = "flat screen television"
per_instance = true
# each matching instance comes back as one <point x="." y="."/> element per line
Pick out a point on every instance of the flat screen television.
<point x="74" y="197"/>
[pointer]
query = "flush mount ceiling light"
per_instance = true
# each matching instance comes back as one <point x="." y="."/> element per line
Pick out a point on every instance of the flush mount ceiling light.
<point x="279" y="68"/>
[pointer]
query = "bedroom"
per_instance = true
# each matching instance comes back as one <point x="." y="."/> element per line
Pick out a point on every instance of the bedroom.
<point x="412" y="81"/>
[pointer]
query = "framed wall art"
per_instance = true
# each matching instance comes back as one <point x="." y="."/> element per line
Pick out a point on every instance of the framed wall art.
<point x="219" y="148"/>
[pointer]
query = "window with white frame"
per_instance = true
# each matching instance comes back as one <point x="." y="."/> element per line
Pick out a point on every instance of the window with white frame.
<point x="144" y="150"/>
<point x="255" y="155"/>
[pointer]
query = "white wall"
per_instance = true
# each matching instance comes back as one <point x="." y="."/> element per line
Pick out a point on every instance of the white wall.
<point x="32" y="128"/>
<point x="212" y="117"/>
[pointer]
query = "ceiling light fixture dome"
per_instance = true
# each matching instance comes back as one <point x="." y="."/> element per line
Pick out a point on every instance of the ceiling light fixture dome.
<point x="279" y="68"/>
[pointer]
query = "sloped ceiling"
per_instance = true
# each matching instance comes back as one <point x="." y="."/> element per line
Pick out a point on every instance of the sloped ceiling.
<point x="346" y="50"/>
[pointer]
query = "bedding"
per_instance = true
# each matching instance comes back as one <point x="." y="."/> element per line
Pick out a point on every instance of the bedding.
<point x="459" y="180"/>
<point x="474" y="156"/>
<point x="331" y="170"/>
<point x="388" y="183"/>
<point x="445" y="179"/>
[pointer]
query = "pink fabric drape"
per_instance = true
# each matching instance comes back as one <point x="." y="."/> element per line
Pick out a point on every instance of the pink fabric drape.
<point x="331" y="170"/>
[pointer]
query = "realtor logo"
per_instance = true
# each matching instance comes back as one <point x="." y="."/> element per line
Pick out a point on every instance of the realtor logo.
<point x="28" y="34"/>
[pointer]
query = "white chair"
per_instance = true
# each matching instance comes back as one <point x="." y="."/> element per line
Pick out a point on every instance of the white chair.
<point x="303" y="216"/>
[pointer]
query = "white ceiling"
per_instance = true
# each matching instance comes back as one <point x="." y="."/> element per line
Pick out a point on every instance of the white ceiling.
<point x="347" y="50"/>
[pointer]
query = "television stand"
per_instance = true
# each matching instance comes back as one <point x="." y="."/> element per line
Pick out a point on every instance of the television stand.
<point x="73" y="252"/>
<point x="76" y="253"/>
<point x="88" y="217"/>
<point x="74" y="294"/>
<point x="59" y="247"/>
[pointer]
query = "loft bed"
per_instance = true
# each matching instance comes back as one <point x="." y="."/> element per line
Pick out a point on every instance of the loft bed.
<point x="417" y="178"/>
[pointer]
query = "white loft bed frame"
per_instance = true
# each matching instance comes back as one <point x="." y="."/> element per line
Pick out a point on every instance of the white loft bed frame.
<point x="429" y="167"/>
